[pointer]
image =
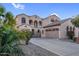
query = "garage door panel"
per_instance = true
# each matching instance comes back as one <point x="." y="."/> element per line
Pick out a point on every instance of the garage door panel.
<point x="52" y="34"/>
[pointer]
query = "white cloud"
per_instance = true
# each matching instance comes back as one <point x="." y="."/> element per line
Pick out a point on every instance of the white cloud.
<point x="55" y="14"/>
<point x="18" y="6"/>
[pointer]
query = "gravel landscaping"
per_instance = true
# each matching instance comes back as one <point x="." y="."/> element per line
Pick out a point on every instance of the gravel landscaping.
<point x="33" y="50"/>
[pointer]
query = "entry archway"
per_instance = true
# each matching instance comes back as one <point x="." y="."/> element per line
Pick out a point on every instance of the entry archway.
<point x="38" y="33"/>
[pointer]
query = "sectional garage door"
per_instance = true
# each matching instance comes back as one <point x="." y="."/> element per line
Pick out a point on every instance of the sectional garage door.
<point x="52" y="33"/>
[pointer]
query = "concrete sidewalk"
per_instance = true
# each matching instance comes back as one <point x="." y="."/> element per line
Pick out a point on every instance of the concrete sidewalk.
<point x="59" y="47"/>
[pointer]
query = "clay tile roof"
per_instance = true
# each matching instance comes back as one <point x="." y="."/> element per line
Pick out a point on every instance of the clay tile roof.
<point x="52" y="24"/>
<point x="62" y="21"/>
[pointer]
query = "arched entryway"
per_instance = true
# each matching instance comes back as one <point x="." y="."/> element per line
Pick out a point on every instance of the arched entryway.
<point x="32" y="31"/>
<point x="35" y="23"/>
<point x="38" y="33"/>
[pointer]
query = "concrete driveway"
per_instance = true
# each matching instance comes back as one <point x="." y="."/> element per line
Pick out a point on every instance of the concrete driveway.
<point x="62" y="48"/>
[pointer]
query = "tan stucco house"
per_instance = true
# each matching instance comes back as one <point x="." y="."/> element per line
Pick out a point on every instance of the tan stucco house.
<point x="49" y="27"/>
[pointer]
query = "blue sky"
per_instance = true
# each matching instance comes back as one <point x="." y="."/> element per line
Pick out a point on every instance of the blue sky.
<point x="64" y="10"/>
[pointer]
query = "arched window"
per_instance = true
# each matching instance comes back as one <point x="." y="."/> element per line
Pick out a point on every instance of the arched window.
<point x="30" y="22"/>
<point x="23" y="20"/>
<point x="40" y="23"/>
<point x="35" y="23"/>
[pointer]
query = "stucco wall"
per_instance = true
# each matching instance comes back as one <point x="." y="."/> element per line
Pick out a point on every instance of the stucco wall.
<point x="63" y="28"/>
<point x="27" y="25"/>
<point x="18" y="19"/>
<point x="76" y="32"/>
<point x="47" y="20"/>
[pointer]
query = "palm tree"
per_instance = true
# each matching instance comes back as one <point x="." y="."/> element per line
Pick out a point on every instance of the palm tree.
<point x="9" y="36"/>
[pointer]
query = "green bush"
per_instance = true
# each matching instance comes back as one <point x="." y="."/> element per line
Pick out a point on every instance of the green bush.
<point x="9" y="42"/>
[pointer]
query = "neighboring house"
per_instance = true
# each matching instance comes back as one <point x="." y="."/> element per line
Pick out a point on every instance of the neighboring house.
<point x="49" y="27"/>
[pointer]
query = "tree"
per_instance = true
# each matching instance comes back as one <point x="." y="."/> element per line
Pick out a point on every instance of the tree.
<point x="2" y="11"/>
<point x="9" y="18"/>
<point x="9" y="36"/>
<point x="75" y="21"/>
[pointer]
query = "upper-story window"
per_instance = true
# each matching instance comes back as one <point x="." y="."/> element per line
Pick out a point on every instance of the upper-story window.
<point x="30" y="22"/>
<point x="40" y="23"/>
<point x="23" y="20"/>
<point x="52" y="20"/>
<point x="35" y="23"/>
